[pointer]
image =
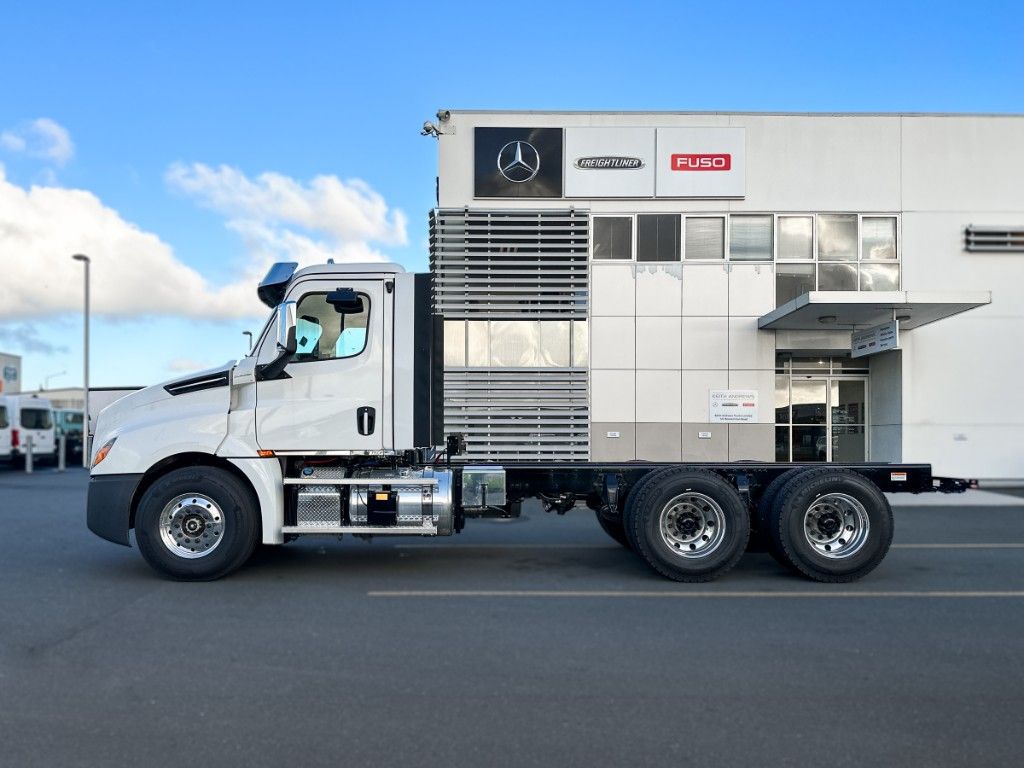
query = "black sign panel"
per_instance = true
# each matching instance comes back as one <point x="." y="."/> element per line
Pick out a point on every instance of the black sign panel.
<point x="517" y="162"/>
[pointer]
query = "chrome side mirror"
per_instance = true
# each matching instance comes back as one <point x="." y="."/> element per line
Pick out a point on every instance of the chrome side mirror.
<point x="286" y="328"/>
<point x="286" y="344"/>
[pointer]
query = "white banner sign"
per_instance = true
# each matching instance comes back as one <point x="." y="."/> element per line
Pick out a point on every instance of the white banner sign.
<point x="609" y="162"/>
<point x="701" y="162"/>
<point x="733" y="406"/>
<point x="878" y="338"/>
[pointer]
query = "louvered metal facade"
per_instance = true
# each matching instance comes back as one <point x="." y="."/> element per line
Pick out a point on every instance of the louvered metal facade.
<point x="513" y="265"/>
<point x="995" y="239"/>
<point x="509" y="264"/>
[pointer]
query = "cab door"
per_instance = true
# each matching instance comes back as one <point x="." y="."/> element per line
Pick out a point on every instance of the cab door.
<point x="331" y="396"/>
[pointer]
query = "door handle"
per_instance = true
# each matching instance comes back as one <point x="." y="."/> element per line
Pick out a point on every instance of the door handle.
<point x="365" y="418"/>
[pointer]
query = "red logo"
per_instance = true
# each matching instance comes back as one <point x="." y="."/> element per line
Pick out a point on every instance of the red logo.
<point x="701" y="162"/>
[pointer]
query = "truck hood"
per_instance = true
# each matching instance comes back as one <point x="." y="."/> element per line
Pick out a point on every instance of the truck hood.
<point x="184" y="391"/>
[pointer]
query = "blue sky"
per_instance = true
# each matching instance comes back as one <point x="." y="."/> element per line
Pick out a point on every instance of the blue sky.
<point x="173" y="112"/>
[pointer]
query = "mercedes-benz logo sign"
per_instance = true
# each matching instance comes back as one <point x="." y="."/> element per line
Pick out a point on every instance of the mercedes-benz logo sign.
<point x="519" y="161"/>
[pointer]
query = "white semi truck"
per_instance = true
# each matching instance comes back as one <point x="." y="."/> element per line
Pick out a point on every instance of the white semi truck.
<point x="333" y="426"/>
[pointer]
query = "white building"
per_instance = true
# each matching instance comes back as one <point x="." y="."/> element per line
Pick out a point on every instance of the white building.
<point x="683" y="286"/>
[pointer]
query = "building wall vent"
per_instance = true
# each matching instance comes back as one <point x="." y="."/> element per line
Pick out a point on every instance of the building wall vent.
<point x="994" y="239"/>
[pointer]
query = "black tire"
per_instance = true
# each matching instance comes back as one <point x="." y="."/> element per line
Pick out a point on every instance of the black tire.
<point x="628" y="511"/>
<point x="764" y="509"/>
<point x="240" y="524"/>
<point x="787" y="533"/>
<point x="613" y="528"/>
<point x="672" y="560"/>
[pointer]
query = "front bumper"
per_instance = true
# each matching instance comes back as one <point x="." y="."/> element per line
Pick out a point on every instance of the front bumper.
<point x="109" y="506"/>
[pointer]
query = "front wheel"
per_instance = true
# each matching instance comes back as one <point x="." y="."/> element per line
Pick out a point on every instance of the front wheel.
<point x="197" y="524"/>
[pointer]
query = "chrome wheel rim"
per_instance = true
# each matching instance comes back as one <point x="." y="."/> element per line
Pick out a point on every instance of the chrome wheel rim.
<point x="836" y="525"/>
<point x="692" y="525"/>
<point x="191" y="525"/>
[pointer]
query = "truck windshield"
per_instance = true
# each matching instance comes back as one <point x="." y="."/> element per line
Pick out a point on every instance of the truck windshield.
<point x="36" y="418"/>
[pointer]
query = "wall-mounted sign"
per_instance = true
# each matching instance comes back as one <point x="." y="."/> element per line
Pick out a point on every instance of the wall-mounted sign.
<point x="701" y="162"/>
<point x="609" y="162"/>
<point x="878" y="338"/>
<point x="517" y="162"/>
<point x="733" y="406"/>
<point x="10" y="373"/>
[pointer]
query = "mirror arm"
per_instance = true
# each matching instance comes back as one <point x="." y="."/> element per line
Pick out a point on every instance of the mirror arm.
<point x="274" y="368"/>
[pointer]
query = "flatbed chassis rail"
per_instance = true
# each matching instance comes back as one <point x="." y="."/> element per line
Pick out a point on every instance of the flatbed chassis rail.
<point x="559" y="482"/>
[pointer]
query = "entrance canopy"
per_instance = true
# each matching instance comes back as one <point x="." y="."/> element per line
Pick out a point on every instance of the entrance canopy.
<point x="829" y="310"/>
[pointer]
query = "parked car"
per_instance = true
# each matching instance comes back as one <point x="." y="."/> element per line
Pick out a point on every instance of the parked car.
<point x="31" y="418"/>
<point x="68" y="422"/>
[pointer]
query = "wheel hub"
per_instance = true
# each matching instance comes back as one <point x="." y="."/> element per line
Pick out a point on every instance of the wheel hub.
<point x="692" y="525"/>
<point x="836" y="525"/>
<point x="191" y="525"/>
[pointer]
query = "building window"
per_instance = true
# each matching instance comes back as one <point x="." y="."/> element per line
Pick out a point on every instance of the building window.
<point x="792" y="280"/>
<point x="878" y="238"/>
<point x="837" y="237"/>
<point x="796" y="238"/>
<point x="750" y="238"/>
<point x="837" y="277"/>
<point x="613" y="237"/>
<point x="705" y="237"/>
<point x="658" y="237"/>
<point x="515" y="343"/>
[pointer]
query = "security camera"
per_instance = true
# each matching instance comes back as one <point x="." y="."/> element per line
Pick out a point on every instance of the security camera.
<point x="444" y="115"/>
<point x="429" y="129"/>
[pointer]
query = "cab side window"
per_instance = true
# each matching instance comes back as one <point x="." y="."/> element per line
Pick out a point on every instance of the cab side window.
<point x="323" y="334"/>
<point x="4" y="423"/>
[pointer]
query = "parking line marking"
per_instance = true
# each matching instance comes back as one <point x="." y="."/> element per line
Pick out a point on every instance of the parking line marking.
<point x="503" y="593"/>
<point x="610" y="546"/>
<point x="971" y="545"/>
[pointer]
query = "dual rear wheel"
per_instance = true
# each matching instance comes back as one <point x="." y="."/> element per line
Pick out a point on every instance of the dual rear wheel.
<point x="830" y="525"/>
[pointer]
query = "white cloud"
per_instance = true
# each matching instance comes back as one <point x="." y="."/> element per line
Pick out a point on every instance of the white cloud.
<point x="133" y="271"/>
<point x="42" y="138"/>
<point x="279" y="217"/>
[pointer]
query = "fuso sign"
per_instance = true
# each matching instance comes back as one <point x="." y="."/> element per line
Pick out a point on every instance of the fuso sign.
<point x="680" y="162"/>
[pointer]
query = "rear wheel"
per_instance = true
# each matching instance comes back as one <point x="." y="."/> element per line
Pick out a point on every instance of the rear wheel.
<point x="764" y="510"/>
<point x="614" y="528"/>
<point x="689" y="525"/>
<point x="832" y="525"/>
<point x="197" y="524"/>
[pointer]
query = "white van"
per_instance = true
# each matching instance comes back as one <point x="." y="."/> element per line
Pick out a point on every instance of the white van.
<point x="31" y="417"/>
<point x="5" y="431"/>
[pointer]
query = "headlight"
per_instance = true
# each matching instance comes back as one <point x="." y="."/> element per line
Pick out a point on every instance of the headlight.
<point x="101" y="454"/>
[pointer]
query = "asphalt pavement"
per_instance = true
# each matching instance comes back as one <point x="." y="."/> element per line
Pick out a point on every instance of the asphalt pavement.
<point x="536" y="642"/>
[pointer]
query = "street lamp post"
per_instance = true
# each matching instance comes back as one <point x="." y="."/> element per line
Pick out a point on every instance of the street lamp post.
<point x="86" y="447"/>
<point x="248" y="334"/>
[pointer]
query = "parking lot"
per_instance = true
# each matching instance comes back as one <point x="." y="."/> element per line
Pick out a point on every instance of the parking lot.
<point x="531" y="642"/>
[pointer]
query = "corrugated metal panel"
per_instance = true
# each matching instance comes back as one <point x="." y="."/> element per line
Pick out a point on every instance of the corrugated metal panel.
<point x="509" y="264"/>
<point x="519" y="413"/>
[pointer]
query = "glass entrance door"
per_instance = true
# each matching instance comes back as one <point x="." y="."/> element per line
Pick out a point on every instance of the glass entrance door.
<point x="820" y="418"/>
